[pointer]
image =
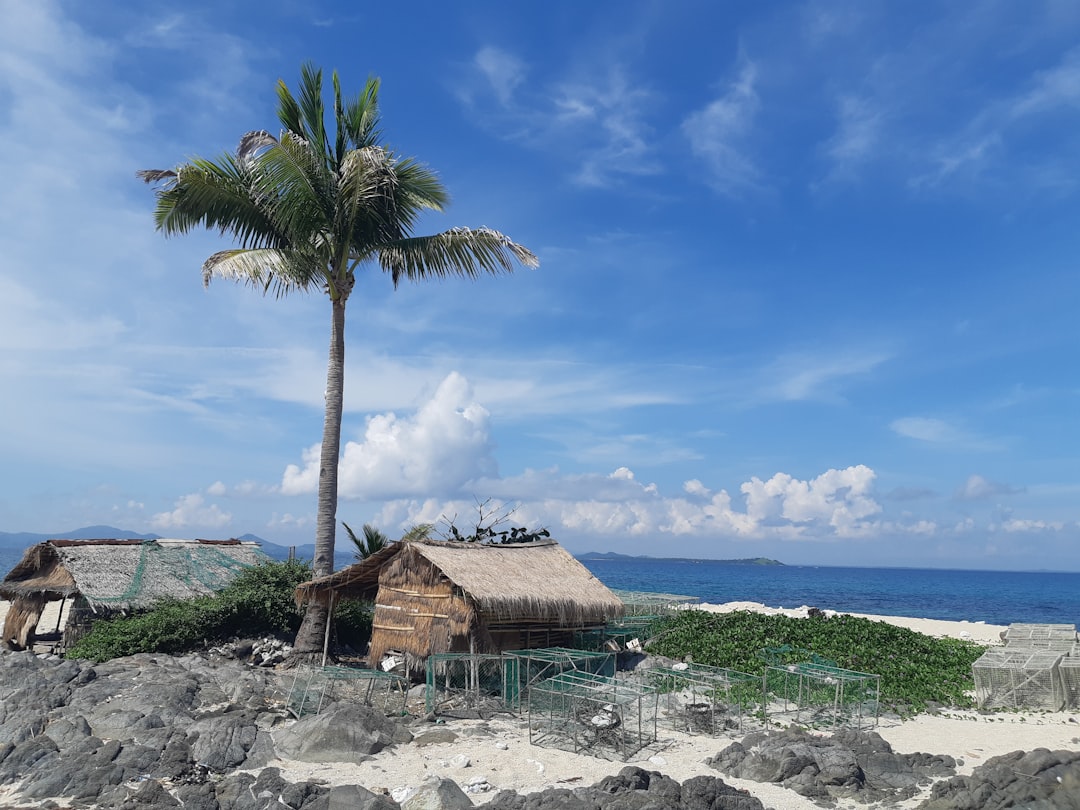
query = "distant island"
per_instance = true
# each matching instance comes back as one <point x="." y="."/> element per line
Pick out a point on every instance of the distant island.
<point x="611" y="555"/>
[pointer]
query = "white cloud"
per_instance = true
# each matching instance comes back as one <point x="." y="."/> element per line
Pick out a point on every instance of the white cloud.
<point x="856" y="138"/>
<point x="439" y="450"/>
<point x="837" y="503"/>
<point x="925" y="429"/>
<point x="605" y="118"/>
<point x="502" y="70"/>
<point x="594" y="120"/>
<point x="191" y="512"/>
<point x="695" y="487"/>
<point x="1014" y="525"/>
<point x="717" y="134"/>
<point x="1050" y="90"/>
<point x="813" y="375"/>
<point x="977" y="488"/>
<point x="840" y="499"/>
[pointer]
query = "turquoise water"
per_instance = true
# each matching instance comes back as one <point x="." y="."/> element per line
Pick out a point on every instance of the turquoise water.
<point x="994" y="597"/>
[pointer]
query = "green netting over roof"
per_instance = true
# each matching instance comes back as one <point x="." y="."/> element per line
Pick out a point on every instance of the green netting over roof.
<point x="130" y="575"/>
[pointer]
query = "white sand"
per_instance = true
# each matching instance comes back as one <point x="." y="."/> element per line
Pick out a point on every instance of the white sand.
<point x="972" y="631"/>
<point x="499" y="753"/>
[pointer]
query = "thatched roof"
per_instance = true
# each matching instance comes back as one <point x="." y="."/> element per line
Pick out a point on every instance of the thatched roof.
<point x="128" y="574"/>
<point x="539" y="580"/>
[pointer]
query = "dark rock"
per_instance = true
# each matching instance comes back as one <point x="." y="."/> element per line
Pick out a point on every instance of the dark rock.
<point x="848" y="764"/>
<point x="223" y="742"/>
<point x="354" y="797"/>
<point x="1044" y="779"/>
<point x="345" y="732"/>
<point x="710" y="793"/>
<point x="196" y="796"/>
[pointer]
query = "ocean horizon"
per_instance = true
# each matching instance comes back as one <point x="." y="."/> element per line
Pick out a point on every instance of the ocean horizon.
<point x="993" y="597"/>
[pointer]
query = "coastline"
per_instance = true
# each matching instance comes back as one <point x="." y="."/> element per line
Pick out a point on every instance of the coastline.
<point x="496" y="752"/>
<point x="983" y="633"/>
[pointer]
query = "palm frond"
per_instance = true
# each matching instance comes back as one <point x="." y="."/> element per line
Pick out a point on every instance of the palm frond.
<point x="467" y="252"/>
<point x="311" y="105"/>
<point x="361" y="117"/>
<point x="296" y="186"/>
<point x="283" y="271"/>
<point x="252" y="144"/>
<point x="155" y="175"/>
<point x="288" y="109"/>
<point x="217" y="196"/>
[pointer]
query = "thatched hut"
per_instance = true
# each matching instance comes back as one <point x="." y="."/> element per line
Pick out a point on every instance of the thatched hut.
<point x="433" y="597"/>
<point x="106" y="577"/>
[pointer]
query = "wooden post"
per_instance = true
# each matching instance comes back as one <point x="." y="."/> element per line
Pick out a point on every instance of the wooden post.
<point x="329" y="621"/>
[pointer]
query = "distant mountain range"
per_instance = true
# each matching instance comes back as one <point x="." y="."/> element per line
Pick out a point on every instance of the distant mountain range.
<point x="13" y="544"/>
<point x="611" y="555"/>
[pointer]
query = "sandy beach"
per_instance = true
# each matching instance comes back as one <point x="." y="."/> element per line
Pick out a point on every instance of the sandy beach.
<point x="495" y="754"/>
<point x="499" y="756"/>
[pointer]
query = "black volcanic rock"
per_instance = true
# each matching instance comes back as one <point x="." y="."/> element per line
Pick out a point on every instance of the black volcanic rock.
<point x="849" y="764"/>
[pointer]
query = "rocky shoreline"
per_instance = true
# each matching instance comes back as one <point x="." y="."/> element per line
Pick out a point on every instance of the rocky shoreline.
<point x="209" y="733"/>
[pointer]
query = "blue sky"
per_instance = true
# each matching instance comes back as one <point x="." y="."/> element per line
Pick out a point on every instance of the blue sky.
<point x="808" y="283"/>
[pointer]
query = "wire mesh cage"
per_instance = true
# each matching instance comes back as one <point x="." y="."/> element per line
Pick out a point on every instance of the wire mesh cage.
<point x="787" y="654"/>
<point x="1018" y="678"/>
<point x="464" y="685"/>
<point x="1069" y="672"/>
<point x="628" y="633"/>
<point x="1060" y="637"/>
<point x="699" y="699"/>
<point x="315" y="688"/>
<point x="596" y="715"/>
<point x="817" y="695"/>
<point x="524" y="668"/>
<point x="644" y="603"/>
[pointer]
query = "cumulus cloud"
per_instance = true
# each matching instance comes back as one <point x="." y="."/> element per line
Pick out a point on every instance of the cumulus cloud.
<point x="439" y="450"/>
<point x="192" y="511"/>
<point x="1014" y="525"/>
<point x="837" y="503"/>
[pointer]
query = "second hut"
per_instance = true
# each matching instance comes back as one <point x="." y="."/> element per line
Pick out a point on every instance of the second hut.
<point x="434" y="597"/>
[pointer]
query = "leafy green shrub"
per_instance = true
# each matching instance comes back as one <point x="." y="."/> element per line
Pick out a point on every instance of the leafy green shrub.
<point x="352" y="623"/>
<point x="259" y="601"/>
<point x="917" y="671"/>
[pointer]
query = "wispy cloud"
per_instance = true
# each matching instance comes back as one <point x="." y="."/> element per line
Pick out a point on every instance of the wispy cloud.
<point x="719" y="134"/>
<point x="933" y="430"/>
<point x="815" y="376"/>
<point x="857" y="137"/>
<point x="978" y="488"/>
<point x="595" y="119"/>
<point x="503" y="71"/>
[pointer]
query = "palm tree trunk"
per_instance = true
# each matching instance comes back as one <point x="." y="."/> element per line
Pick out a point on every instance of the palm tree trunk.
<point x="309" y="639"/>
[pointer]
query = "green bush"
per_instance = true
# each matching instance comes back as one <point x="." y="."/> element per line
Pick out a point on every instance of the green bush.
<point x="352" y="624"/>
<point x="917" y="671"/>
<point x="260" y="601"/>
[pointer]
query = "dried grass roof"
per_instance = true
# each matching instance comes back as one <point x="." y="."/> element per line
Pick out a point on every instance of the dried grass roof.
<point x="536" y="580"/>
<point x="129" y="574"/>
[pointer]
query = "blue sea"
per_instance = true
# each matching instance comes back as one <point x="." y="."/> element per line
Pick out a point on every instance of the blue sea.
<point x="994" y="597"/>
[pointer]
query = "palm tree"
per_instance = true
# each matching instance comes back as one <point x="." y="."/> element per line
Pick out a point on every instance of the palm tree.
<point x="372" y="541"/>
<point x="308" y="209"/>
